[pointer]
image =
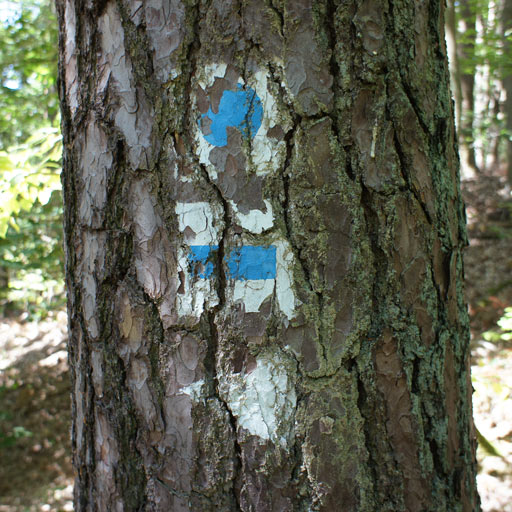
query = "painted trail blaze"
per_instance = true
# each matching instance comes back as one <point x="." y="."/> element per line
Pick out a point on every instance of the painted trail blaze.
<point x="200" y="261"/>
<point x="240" y="109"/>
<point x="250" y="262"/>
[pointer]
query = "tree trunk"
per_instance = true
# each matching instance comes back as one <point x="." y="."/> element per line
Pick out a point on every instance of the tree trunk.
<point x="466" y="59"/>
<point x="264" y="240"/>
<point x="453" y="59"/>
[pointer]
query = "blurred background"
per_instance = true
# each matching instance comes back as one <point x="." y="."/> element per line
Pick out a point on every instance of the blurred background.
<point x="35" y="468"/>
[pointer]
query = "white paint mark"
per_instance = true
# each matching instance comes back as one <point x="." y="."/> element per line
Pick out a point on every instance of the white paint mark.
<point x="201" y="224"/>
<point x="374" y="139"/>
<point x="255" y="221"/>
<point x="203" y="152"/>
<point x="268" y="155"/>
<point x="284" y="289"/>
<point x="264" y="400"/>
<point x="253" y="293"/>
<point x="200" y="218"/>
<point x="210" y="73"/>
<point x="198" y="293"/>
<point x="194" y="391"/>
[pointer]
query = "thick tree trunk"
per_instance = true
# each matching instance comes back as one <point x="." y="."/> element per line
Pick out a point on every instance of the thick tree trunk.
<point x="264" y="257"/>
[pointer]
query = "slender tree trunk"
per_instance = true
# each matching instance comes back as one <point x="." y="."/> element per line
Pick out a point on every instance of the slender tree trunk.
<point x="4" y="287"/>
<point x="506" y="79"/>
<point x="453" y="59"/>
<point x="466" y="55"/>
<point x="264" y="240"/>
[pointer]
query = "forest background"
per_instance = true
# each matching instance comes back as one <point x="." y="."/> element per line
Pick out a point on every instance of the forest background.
<point x="35" y="472"/>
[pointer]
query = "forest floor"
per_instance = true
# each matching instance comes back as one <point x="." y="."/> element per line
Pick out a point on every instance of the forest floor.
<point x="488" y="285"/>
<point x="35" y="416"/>
<point x="35" y="467"/>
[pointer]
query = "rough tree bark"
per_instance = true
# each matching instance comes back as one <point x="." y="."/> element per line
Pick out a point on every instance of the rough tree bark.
<point x="264" y="242"/>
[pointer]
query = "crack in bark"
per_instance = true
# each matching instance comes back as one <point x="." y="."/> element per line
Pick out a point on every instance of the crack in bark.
<point x="192" y="53"/>
<point x="288" y="139"/>
<point x="84" y="464"/>
<point x="213" y="312"/>
<point x="403" y="167"/>
<point x="212" y="317"/>
<point x="289" y="231"/>
<point x="414" y="104"/>
<point x="372" y="464"/>
<point x="181" y="494"/>
<point x="278" y="13"/>
<point x="334" y="67"/>
<point x="285" y="204"/>
<point x="403" y="82"/>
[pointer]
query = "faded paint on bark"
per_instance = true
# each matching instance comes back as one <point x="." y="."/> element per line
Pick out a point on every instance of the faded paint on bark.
<point x="266" y="310"/>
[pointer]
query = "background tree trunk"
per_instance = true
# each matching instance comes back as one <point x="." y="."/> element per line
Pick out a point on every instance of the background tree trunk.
<point x="466" y="59"/>
<point x="264" y="243"/>
<point x="453" y="59"/>
<point x="506" y="78"/>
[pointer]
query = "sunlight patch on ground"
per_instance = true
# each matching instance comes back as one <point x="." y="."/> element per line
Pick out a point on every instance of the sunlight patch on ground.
<point x="492" y="404"/>
<point x="32" y="341"/>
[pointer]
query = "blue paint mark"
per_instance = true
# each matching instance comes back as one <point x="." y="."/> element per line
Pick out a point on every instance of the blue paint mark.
<point x="252" y="262"/>
<point x="199" y="255"/>
<point x="241" y="109"/>
<point x="243" y="263"/>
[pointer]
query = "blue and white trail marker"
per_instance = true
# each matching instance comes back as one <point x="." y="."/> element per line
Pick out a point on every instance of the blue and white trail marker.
<point x="246" y="263"/>
<point x="240" y="109"/>
<point x="247" y="106"/>
<point x="254" y="273"/>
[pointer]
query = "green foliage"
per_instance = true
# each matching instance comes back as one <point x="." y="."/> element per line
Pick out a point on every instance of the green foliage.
<point x="30" y="159"/>
<point x="483" y="41"/>
<point x="30" y="175"/>
<point x="484" y="44"/>
<point x="30" y="221"/>
<point x="28" y="72"/>
<point x="9" y="437"/>
<point x="504" y="333"/>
